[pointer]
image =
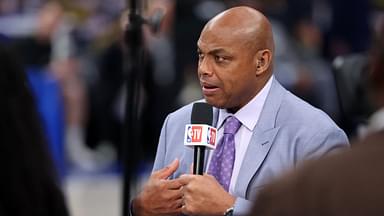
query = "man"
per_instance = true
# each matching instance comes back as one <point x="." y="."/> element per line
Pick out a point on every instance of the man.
<point x="276" y="130"/>
<point x="350" y="183"/>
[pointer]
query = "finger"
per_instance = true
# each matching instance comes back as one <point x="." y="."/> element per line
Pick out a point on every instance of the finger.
<point x="174" y="212"/>
<point x="185" y="179"/>
<point x="169" y="212"/>
<point x="210" y="177"/>
<point x="174" y="184"/>
<point x="173" y="208"/>
<point x="184" y="210"/>
<point x="167" y="171"/>
<point x="178" y="203"/>
<point x="171" y="195"/>
<point x="191" y="169"/>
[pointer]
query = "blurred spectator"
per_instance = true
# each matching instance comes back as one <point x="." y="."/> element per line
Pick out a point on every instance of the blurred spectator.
<point x="349" y="183"/>
<point x="49" y="54"/>
<point x="190" y="17"/>
<point x="29" y="185"/>
<point x="35" y="51"/>
<point x="104" y="125"/>
<point x="352" y="86"/>
<point x="163" y="83"/>
<point x="160" y="84"/>
<point x="376" y="78"/>
<point x="349" y="33"/>
<point x="315" y="82"/>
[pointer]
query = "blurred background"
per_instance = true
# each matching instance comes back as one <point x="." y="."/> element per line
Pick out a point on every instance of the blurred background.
<point x="72" y="54"/>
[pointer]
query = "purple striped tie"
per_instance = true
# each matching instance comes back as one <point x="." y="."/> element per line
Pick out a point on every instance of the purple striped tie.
<point x="223" y="157"/>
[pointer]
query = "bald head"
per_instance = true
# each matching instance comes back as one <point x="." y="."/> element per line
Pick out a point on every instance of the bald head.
<point x="235" y="47"/>
<point x="244" y="24"/>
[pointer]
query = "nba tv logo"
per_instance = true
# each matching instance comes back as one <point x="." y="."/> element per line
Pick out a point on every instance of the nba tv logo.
<point x="211" y="136"/>
<point x="194" y="133"/>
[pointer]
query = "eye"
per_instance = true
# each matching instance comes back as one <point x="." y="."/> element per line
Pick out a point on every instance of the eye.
<point x="220" y="59"/>
<point x="200" y="55"/>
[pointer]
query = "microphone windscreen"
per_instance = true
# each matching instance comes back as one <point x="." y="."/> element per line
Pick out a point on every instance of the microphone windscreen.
<point x="202" y="114"/>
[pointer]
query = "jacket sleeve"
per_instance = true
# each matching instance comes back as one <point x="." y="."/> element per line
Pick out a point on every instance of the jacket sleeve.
<point x="162" y="147"/>
<point x="242" y="206"/>
<point x="323" y="142"/>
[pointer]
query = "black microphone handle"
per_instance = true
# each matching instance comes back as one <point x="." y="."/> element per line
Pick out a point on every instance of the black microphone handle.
<point x="198" y="160"/>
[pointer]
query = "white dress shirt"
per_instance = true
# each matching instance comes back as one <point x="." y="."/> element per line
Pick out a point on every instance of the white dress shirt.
<point x="248" y="115"/>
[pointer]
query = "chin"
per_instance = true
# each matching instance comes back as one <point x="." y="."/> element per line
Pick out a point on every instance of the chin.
<point x="211" y="102"/>
<point x="215" y="103"/>
<point x="222" y="105"/>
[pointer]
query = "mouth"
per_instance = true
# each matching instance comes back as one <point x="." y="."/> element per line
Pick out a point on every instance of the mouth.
<point x="208" y="88"/>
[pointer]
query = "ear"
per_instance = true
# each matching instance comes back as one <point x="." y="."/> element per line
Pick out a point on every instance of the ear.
<point x="263" y="61"/>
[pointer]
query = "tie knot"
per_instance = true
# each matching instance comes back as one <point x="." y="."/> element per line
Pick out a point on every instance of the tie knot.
<point x="232" y="125"/>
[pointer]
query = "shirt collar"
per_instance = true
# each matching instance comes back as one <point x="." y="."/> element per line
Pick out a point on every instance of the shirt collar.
<point x="249" y="114"/>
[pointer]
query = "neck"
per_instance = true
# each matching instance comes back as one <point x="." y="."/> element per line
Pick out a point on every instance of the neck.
<point x="262" y="83"/>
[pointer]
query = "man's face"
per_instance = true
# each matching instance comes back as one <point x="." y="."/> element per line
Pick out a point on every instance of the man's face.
<point x="226" y="69"/>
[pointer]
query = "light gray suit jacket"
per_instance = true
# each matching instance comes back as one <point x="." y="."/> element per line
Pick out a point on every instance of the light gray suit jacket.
<point x="289" y="131"/>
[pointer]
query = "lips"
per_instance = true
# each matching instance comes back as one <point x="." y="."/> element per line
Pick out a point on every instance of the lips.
<point x="209" y="88"/>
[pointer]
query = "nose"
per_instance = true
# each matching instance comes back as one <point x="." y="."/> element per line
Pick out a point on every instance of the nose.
<point x="204" y="68"/>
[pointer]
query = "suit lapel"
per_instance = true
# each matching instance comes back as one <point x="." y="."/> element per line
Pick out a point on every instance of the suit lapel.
<point x="262" y="139"/>
<point x="257" y="151"/>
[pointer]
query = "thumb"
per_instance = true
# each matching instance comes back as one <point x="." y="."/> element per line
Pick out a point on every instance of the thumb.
<point x="167" y="171"/>
<point x="191" y="169"/>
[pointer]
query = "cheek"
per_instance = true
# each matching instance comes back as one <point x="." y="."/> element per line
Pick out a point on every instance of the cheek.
<point x="238" y="85"/>
<point x="229" y="86"/>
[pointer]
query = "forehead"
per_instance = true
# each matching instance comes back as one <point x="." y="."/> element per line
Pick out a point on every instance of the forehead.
<point x="222" y="38"/>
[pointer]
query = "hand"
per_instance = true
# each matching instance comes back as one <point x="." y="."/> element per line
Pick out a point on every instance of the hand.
<point x="203" y="195"/>
<point x="160" y="196"/>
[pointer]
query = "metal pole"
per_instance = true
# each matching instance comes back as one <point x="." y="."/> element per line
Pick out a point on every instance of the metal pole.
<point x="133" y="59"/>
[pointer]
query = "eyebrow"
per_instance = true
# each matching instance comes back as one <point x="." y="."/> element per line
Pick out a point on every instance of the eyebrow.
<point x="214" y="51"/>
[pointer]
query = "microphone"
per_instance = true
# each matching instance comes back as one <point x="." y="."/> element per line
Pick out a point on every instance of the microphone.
<point x="200" y="134"/>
